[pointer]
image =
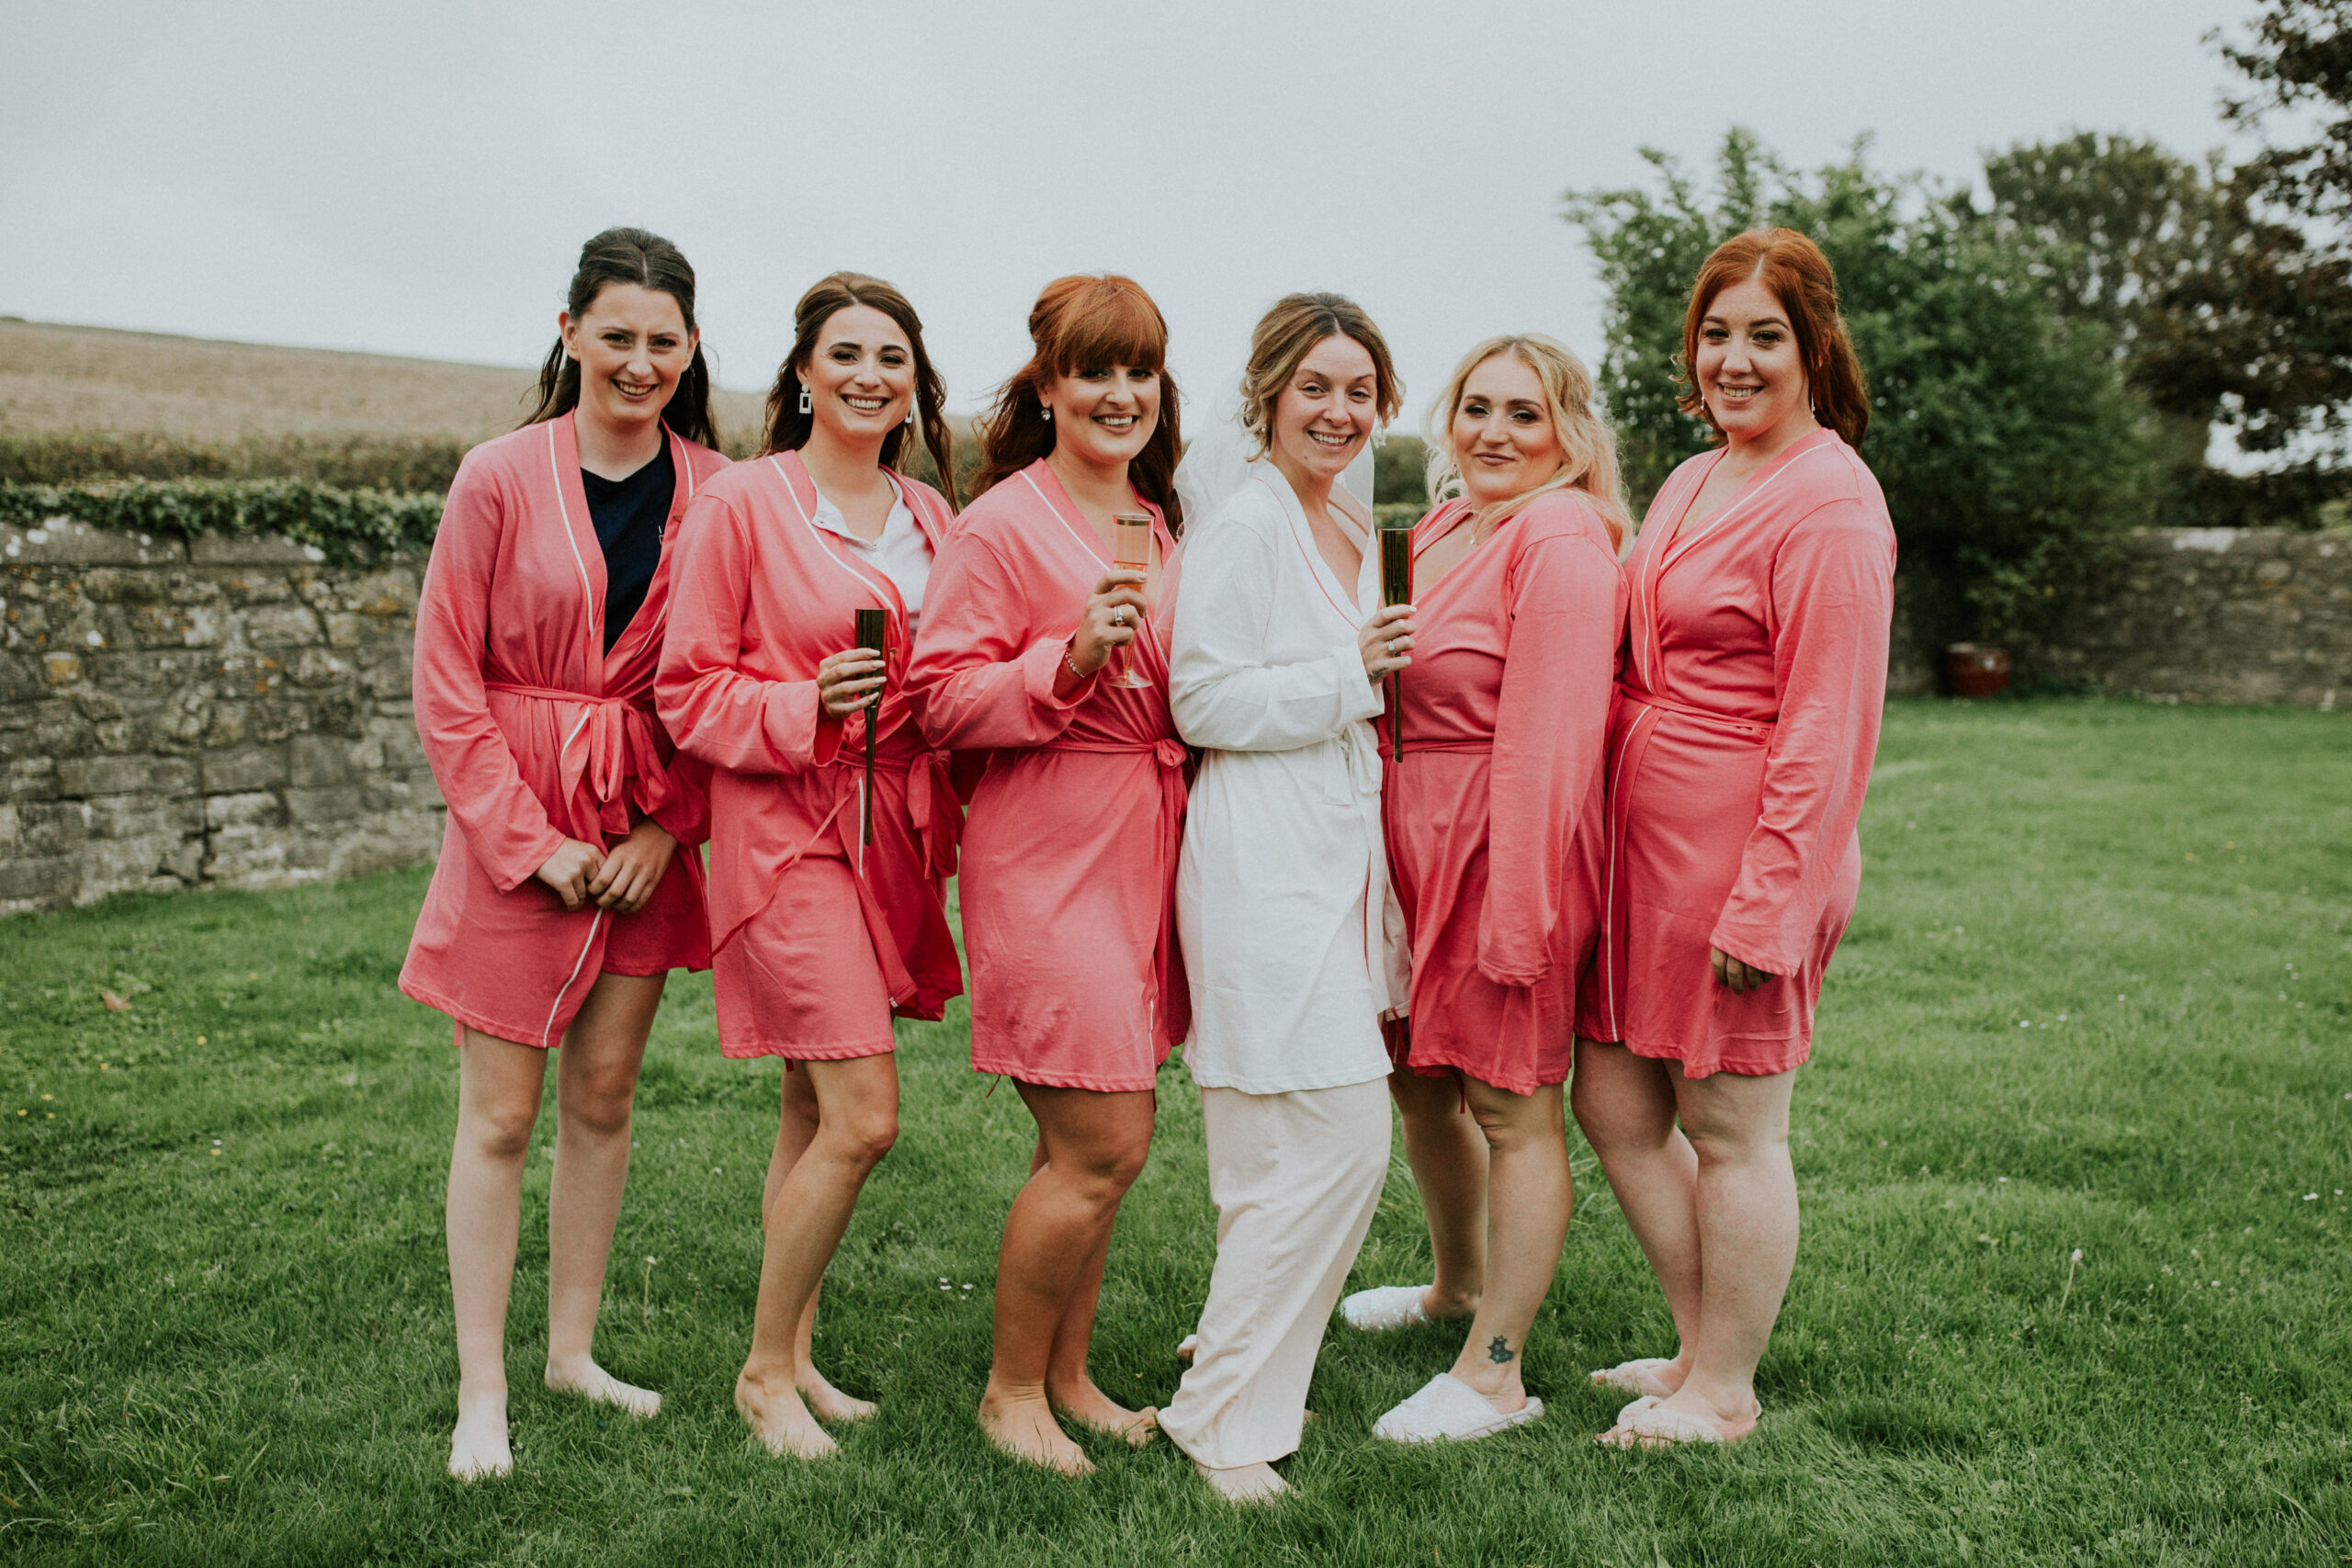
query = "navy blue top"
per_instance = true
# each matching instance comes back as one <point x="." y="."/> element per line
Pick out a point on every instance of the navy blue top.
<point x="629" y="515"/>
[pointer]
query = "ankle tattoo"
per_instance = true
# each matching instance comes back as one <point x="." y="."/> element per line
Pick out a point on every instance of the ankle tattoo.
<point x="1499" y="1351"/>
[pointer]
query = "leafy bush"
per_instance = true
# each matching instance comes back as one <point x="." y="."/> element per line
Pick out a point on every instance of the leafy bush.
<point x="2001" y="431"/>
<point x="353" y="527"/>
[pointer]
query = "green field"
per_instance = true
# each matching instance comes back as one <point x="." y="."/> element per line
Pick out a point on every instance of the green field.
<point x="2097" y="996"/>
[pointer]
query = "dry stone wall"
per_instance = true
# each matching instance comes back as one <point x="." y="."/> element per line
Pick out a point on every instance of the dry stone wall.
<point x="235" y="711"/>
<point x="2214" y="615"/>
<point x="217" y="712"/>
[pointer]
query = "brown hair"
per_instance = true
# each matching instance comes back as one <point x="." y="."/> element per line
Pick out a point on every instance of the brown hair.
<point x="1086" y="323"/>
<point x="630" y="256"/>
<point x="1793" y="269"/>
<point x="788" y="428"/>
<point x="1588" y="447"/>
<point x="1286" y="335"/>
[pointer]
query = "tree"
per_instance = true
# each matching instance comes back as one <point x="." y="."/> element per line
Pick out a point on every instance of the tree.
<point x="2000" y="431"/>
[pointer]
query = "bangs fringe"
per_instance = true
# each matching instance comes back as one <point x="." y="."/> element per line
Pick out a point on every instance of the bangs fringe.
<point x="1113" y="322"/>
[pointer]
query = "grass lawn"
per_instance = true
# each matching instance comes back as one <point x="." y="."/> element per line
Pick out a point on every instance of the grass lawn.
<point x="2097" y="996"/>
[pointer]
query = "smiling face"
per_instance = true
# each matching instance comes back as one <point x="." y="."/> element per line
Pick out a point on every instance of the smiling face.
<point x="1103" y="415"/>
<point x="631" y="345"/>
<point x="1326" y="412"/>
<point x="860" y="374"/>
<point x="1750" y="372"/>
<point x="1505" y="443"/>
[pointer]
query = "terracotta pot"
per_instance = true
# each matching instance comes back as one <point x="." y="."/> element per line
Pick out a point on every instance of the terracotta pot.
<point x="1975" y="670"/>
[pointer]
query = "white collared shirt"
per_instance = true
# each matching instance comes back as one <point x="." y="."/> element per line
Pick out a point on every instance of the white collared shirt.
<point x="902" y="554"/>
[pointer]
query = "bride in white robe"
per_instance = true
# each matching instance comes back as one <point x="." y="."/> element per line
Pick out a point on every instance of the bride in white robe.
<point x="1282" y="890"/>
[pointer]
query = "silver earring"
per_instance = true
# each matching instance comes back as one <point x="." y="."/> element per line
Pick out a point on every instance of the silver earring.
<point x="1045" y="411"/>
<point x="805" y="405"/>
<point x="910" y="413"/>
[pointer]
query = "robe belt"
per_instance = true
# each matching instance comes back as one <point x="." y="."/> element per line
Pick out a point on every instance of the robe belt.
<point x="1485" y="743"/>
<point x="1758" y="729"/>
<point x="1171" y="758"/>
<point x="611" y="749"/>
<point x="930" y="805"/>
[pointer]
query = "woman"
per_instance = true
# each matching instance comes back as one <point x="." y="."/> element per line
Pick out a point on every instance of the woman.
<point x="1069" y="847"/>
<point x="1748" y="712"/>
<point x="558" y="904"/>
<point x="820" y="936"/>
<point x="1494" y="821"/>
<point x="1278" y="652"/>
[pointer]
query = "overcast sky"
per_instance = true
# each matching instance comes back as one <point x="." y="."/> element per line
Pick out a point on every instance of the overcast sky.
<point x="416" y="178"/>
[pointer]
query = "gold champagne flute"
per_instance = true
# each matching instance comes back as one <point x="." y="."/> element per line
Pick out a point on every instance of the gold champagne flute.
<point x="1131" y="551"/>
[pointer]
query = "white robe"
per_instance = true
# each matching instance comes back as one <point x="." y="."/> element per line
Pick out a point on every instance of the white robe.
<point x="1282" y="890"/>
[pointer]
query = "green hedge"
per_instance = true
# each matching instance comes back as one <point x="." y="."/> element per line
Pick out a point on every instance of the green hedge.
<point x="352" y="527"/>
<point x="348" y="462"/>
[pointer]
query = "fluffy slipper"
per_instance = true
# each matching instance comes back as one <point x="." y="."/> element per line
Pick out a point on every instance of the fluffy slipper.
<point x="1635" y="1377"/>
<point x="1449" y="1410"/>
<point x="1383" y="1307"/>
<point x="1647" y="1423"/>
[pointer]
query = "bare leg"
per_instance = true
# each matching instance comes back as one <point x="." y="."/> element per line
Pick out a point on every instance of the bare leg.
<point x="595" y="1090"/>
<point x="1092" y="1148"/>
<point x="1625" y="1105"/>
<point x="1070" y="1386"/>
<point x="498" y="1103"/>
<point x="857" y="1120"/>
<point x="1531" y="1196"/>
<point x="1448" y="1154"/>
<point x="1747" y="1236"/>
<point x="796" y="1130"/>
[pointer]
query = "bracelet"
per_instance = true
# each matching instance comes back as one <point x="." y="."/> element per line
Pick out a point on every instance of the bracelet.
<point x="1072" y="665"/>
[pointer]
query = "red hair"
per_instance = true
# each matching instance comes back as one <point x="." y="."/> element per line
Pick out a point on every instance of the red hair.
<point x="1086" y="323"/>
<point x="1792" y="269"/>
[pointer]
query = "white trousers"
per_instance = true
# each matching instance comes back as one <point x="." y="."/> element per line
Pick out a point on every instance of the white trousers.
<point x="1297" y="1178"/>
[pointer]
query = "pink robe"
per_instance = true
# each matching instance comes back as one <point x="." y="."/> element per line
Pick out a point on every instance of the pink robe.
<point x="1070" y="847"/>
<point x="1493" y="819"/>
<point x="536" y="734"/>
<point x="819" y="936"/>
<point x="1748" y="714"/>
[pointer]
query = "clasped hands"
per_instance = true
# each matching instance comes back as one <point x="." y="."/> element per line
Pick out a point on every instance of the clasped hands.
<point x="621" y="879"/>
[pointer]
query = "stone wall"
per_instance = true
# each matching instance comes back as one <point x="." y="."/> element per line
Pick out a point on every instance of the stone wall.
<point x="235" y="712"/>
<point x="2214" y="615"/>
<point x="222" y="713"/>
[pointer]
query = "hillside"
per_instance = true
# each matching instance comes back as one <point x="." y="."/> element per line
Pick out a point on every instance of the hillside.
<point x="57" y="379"/>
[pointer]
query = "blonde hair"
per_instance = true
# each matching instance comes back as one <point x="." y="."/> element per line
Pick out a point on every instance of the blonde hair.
<point x="1588" y="447"/>
<point x="1286" y="335"/>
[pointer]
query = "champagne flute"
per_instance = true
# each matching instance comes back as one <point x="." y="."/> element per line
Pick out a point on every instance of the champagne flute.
<point x="872" y="630"/>
<point x="1396" y="587"/>
<point x="1131" y="551"/>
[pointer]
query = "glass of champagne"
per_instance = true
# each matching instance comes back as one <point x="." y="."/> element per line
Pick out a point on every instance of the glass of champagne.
<point x="1131" y="551"/>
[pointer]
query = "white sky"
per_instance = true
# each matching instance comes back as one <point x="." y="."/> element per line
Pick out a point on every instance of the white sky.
<point x="416" y="178"/>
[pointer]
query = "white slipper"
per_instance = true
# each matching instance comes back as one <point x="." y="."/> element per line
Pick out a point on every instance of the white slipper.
<point x="1449" y="1410"/>
<point x="1386" y="1307"/>
<point x="1635" y="1377"/>
<point x="1646" y="1423"/>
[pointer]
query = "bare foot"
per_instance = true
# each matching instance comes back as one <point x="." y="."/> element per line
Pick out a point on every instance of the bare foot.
<point x="1096" y="1411"/>
<point x="779" y="1419"/>
<point x="596" y="1383"/>
<point x="828" y="1402"/>
<point x="1244" y="1483"/>
<point x="1654" y="1424"/>
<point x="477" y="1447"/>
<point x="1024" y="1427"/>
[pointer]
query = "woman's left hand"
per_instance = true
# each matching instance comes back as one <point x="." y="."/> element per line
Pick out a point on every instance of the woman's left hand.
<point x="1741" y="977"/>
<point x="633" y="869"/>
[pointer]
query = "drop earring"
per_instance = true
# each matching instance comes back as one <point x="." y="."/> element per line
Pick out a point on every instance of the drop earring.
<point x="1045" y="411"/>
<point x="806" y="406"/>
<point x="911" y="412"/>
